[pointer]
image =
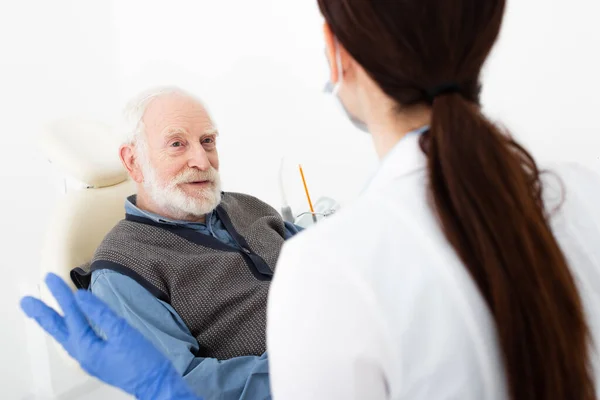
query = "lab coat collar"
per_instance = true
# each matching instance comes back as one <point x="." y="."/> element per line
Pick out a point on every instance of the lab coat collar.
<point x="404" y="158"/>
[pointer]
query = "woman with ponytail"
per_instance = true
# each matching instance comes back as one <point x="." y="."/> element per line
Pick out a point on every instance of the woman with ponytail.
<point x="473" y="276"/>
<point x="463" y="271"/>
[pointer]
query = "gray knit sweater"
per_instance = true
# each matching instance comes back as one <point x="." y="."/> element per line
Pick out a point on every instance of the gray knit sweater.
<point x="219" y="291"/>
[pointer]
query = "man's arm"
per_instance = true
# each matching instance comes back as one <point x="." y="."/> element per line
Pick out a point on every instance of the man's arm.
<point x="238" y="378"/>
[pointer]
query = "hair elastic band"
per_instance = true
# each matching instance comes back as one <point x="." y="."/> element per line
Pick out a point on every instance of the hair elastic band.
<point x="447" y="88"/>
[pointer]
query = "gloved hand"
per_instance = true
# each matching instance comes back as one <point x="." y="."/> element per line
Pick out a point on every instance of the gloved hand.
<point x="125" y="359"/>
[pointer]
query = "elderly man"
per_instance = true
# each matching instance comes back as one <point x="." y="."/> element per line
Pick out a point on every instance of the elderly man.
<point x="189" y="266"/>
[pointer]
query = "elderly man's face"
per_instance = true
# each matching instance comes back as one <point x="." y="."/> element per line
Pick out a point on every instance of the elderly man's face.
<point x="179" y="161"/>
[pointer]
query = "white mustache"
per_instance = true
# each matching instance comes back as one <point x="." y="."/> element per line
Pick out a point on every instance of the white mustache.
<point x="191" y="175"/>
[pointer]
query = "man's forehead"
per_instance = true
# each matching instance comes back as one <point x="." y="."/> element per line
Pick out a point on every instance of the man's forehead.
<point x="173" y="112"/>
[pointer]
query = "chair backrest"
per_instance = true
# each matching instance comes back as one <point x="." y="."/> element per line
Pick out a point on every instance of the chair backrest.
<point x="86" y="152"/>
<point x="79" y="223"/>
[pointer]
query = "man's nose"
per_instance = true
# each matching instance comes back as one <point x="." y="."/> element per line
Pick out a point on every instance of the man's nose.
<point x="199" y="159"/>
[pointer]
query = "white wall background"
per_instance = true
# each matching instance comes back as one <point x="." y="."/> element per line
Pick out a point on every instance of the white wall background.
<point x="543" y="81"/>
<point x="260" y="67"/>
<point x="57" y="59"/>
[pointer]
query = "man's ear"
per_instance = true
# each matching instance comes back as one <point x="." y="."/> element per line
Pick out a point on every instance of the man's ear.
<point x="128" y="155"/>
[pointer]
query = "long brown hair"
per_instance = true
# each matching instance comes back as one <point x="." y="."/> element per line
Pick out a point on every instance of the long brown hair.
<point x="484" y="187"/>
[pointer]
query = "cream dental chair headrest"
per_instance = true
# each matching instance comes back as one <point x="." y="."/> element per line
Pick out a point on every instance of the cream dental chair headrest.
<point x="87" y="152"/>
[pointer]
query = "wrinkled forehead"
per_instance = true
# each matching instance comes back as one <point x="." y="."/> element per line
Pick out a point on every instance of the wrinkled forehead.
<point x="175" y="112"/>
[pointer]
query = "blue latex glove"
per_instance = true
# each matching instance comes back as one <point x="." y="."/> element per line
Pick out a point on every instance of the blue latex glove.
<point x="125" y="359"/>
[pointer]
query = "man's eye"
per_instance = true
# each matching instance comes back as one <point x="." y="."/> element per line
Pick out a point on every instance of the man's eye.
<point x="208" y="141"/>
<point x="176" y="144"/>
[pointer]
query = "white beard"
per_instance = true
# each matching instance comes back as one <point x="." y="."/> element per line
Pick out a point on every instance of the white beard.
<point x="179" y="204"/>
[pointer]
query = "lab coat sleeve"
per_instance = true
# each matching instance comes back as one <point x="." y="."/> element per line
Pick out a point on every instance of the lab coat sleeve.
<point x="323" y="331"/>
<point x="239" y="378"/>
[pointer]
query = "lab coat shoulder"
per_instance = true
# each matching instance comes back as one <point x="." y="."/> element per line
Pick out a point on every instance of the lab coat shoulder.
<point x="380" y="224"/>
<point x="387" y="246"/>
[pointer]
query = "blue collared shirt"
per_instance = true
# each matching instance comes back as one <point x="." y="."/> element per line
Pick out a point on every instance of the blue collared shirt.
<point x="237" y="378"/>
<point x="212" y="227"/>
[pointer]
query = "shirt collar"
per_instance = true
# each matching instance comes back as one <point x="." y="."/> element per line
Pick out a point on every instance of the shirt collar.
<point x="132" y="209"/>
<point x="404" y="158"/>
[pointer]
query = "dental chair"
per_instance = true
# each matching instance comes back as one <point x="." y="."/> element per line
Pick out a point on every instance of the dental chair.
<point x="96" y="186"/>
<point x="85" y="154"/>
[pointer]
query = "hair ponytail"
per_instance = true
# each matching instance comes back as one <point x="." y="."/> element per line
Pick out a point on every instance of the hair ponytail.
<point x="484" y="187"/>
<point x="486" y="191"/>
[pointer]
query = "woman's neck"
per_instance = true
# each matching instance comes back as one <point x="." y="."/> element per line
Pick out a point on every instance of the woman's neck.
<point x="389" y="128"/>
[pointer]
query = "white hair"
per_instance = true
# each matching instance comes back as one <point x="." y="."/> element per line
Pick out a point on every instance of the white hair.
<point x="132" y="124"/>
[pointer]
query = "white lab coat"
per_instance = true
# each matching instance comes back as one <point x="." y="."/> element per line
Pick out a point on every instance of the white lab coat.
<point x="375" y="304"/>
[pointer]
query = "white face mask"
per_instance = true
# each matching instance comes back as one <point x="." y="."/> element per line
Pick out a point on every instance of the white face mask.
<point x="335" y="89"/>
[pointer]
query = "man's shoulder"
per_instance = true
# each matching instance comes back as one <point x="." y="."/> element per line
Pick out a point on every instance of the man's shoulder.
<point x="116" y="280"/>
<point x="122" y="235"/>
<point x="117" y="289"/>
<point x="110" y="277"/>
<point x="246" y="201"/>
<point x="241" y="197"/>
<point x="120" y="227"/>
<point x="130" y="230"/>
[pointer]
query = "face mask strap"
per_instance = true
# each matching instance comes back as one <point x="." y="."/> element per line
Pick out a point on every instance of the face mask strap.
<point x="335" y="88"/>
<point x="338" y="60"/>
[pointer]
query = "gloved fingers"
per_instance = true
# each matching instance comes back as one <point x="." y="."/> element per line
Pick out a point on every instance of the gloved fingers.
<point x="74" y="318"/>
<point x="46" y="317"/>
<point x="102" y="316"/>
<point x="89" y="345"/>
